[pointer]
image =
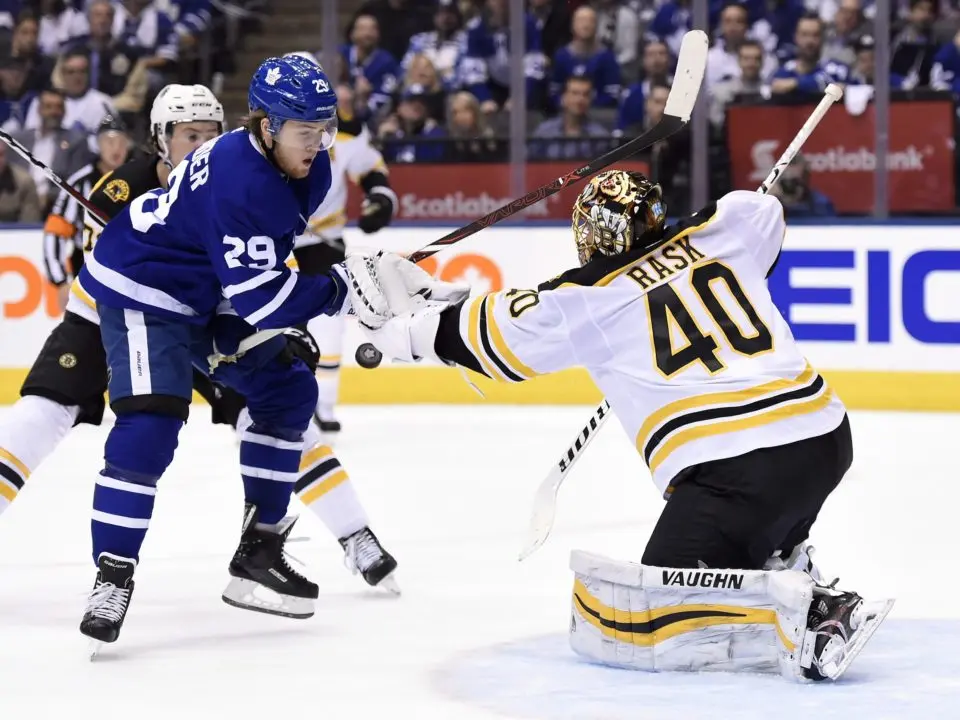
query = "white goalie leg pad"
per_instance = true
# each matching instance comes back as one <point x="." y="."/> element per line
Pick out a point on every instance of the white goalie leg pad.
<point x="665" y="619"/>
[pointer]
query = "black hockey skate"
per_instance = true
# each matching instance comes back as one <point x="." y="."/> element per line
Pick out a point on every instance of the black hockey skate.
<point x="840" y="624"/>
<point x="260" y="564"/>
<point x="365" y="555"/>
<point x="109" y="600"/>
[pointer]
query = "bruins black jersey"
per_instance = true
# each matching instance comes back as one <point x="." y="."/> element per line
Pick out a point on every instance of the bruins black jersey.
<point x="118" y="189"/>
<point x="110" y="195"/>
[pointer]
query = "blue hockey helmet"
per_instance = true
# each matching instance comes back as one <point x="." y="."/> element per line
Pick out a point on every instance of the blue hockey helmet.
<point x="292" y="88"/>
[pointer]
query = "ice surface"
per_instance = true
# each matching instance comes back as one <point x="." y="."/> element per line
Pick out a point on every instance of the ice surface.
<point x="476" y="634"/>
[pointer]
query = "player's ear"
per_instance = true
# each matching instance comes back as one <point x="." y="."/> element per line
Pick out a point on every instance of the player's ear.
<point x="265" y="135"/>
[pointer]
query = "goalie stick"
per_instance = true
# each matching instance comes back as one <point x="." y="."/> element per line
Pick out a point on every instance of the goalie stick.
<point x="545" y="500"/>
<point x="691" y="65"/>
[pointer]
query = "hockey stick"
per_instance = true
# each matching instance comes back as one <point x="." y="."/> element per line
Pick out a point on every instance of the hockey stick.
<point x="18" y="148"/>
<point x="691" y="65"/>
<point x="545" y="500"/>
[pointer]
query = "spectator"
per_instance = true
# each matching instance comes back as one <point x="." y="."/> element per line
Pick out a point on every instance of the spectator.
<point x="398" y="21"/>
<point x="747" y="85"/>
<point x="441" y="46"/>
<point x="914" y="47"/>
<point x="796" y="195"/>
<point x="25" y="50"/>
<point x="110" y="60"/>
<point x="776" y="24"/>
<point x="569" y="133"/>
<point x="805" y="74"/>
<point x="656" y="71"/>
<point x="843" y="33"/>
<point x="723" y="60"/>
<point x="585" y="57"/>
<point x="618" y="29"/>
<point x="372" y="70"/>
<point x="85" y="107"/>
<point x="670" y="158"/>
<point x="60" y="23"/>
<point x="19" y="202"/>
<point x="473" y="138"/>
<point x="13" y="100"/>
<point x="671" y="23"/>
<point x="150" y="35"/>
<point x="485" y="66"/>
<point x="945" y="74"/>
<point x="404" y="133"/>
<point x="552" y="20"/>
<point x="51" y="143"/>
<point x="864" y="65"/>
<point x="423" y="73"/>
<point x="190" y="19"/>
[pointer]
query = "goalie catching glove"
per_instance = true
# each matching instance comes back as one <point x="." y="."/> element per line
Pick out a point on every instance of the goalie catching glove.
<point x="384" y="285"/>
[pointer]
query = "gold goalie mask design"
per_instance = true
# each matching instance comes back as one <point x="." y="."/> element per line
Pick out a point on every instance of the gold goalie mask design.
<point x="617" y="211"/>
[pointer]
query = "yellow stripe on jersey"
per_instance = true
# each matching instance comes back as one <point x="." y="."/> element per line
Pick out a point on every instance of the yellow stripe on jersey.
<point x="82" y="296"/>
<point x="656" y="625"/>
<point x="329" y="221"/>
<point x="16" y="462"/>
<point x="473" y="338"/>
<point x="820" y="397"/>
<point x="500" y="344"/>
<point x="678" y="407"/>
<point x="100" y="182"/>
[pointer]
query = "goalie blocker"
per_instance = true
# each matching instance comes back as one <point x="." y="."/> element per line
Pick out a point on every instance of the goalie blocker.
<point x="644" y="617"/>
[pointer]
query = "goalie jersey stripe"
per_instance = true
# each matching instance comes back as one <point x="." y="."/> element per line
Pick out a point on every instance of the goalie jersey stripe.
<point x="765" y="403"/>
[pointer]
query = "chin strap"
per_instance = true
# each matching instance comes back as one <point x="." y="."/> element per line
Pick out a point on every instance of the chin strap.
<point x="268" y="152"/>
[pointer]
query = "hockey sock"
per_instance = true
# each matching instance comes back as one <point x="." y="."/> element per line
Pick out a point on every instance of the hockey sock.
<point x="29" y="432"/>
<point x="326" y="489"/>
<point x="269" y="459"/>
<point x="328" y="332"/>
<point x="137" y="452"/>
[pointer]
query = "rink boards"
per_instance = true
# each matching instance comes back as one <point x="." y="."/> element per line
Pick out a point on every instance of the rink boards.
<point x="875" y="307"/>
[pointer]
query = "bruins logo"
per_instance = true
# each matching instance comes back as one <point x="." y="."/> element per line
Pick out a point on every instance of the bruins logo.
<point x="68" y="361"/>
<point x="117" y="190"/>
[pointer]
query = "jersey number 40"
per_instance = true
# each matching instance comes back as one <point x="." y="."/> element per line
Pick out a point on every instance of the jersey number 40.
<point x="670" y="318"/>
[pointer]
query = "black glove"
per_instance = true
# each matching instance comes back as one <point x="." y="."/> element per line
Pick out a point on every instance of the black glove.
<point x="301" y="344"/>
<point x="376" y="213"/>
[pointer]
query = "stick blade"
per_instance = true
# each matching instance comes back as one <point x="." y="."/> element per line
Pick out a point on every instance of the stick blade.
<point x="541" y="521"/>
<point x="691" y="66"/>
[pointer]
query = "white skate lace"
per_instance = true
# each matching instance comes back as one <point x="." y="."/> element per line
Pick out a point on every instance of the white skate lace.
<point x="108" y="601"/>
<point x="362" y="552"/>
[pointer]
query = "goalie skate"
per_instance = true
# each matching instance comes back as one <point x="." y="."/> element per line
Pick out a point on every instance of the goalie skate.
<point x="262" y="580"/>
<point x="840" y="626"/>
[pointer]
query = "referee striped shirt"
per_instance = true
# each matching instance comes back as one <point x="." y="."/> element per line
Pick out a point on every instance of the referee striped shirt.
<point x="63" y="230"/>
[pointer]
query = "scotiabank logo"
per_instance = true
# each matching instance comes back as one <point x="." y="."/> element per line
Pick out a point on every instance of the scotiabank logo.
<point x="480" y="272"/>
<point x="459" y="205"/>
<point x="24" y="290"/>
<point x="764" y="154"/>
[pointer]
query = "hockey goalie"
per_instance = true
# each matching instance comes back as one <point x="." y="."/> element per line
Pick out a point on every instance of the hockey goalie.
<point x="740" y="433"/>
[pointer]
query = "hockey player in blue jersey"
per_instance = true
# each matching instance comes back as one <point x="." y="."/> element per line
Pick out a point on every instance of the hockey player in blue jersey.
<point x="186" y="275"/>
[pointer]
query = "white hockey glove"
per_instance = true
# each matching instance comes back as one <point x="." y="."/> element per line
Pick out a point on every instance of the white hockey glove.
<point x="411" y="336"/>
<point x="420" y="284"/>
<point x="377" y="289"/>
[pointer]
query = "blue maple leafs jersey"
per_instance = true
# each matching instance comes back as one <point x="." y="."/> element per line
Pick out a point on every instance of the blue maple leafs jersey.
<point x="223" y="229"/>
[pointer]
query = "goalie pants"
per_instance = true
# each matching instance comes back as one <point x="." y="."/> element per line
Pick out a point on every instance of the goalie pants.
<point x="738" y="512"/>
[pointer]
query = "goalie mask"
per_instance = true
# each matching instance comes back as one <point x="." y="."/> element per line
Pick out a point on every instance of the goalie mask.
<point x="617" y="211"/>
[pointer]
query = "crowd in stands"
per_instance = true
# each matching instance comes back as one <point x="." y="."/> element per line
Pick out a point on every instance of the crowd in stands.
<point x="432" y="77"/>
<point x="65" y="65"/>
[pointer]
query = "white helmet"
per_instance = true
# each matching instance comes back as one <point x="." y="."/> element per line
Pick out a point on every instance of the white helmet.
<point x="306" y="56"/>
<point x="181" y="104"/>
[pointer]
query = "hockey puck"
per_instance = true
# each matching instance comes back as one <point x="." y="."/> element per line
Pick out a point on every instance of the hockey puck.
<point x="368" y="356"/>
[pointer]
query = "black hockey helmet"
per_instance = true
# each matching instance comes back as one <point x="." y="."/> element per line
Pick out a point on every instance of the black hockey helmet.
<point x="617" y="211"/>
